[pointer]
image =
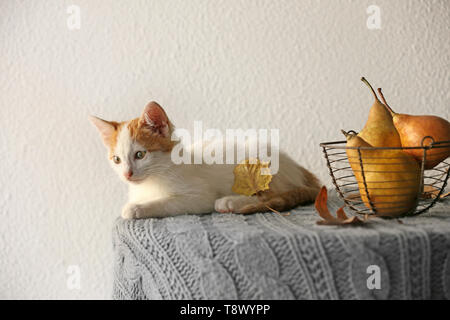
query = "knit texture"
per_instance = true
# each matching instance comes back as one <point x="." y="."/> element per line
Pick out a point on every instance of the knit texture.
<point x="268" y="256"/>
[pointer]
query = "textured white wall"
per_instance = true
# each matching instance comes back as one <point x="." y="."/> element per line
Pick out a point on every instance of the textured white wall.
<point x="293" y="65"/>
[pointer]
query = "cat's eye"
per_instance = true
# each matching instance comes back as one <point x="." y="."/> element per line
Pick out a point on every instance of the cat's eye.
<point x="140" y="154"/>
<point x="116" y="159"/>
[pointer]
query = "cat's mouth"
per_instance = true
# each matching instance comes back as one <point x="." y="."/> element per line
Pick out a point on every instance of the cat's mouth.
<point x="135" y="180"/>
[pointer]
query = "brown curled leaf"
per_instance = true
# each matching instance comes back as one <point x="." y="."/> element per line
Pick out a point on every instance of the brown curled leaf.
<point x="341" y="214"/>
<point x="321" y="205"/>
<point x="328" y="219"/>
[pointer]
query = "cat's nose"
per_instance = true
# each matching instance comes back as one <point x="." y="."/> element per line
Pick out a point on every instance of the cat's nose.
<point x="128" y="174"/>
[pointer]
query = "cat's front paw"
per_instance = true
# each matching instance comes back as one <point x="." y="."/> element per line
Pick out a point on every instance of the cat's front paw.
<point x="131" y="211"/>
<point x="229" y="204"/>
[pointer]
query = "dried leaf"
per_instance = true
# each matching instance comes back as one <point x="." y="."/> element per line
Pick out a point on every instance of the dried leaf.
<point x="341" y="214"/>
<point x="321" y="205"/>
<point x="430" y="192"/>
<point x="328" y="219"/>
<point x="248" y="177"/>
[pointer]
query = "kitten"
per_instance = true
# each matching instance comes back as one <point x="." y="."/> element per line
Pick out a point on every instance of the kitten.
<point x="140" y="153"/>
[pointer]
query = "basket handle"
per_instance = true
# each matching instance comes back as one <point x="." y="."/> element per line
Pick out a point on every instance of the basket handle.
<point x="428" y="146"/>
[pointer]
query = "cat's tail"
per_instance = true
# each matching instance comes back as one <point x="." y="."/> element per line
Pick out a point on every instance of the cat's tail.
<point x="284" y="201"/>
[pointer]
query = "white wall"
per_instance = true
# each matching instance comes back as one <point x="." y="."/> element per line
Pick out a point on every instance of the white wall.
<point x="293" y="65"/>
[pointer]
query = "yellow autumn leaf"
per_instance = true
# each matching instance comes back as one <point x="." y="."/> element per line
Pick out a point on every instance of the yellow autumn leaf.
<point x="248" y="177"/>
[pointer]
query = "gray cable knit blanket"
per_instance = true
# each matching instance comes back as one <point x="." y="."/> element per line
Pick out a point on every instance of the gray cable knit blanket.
<point x="267" y="256"/>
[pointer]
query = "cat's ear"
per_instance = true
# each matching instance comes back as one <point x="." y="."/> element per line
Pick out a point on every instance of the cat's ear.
<point x="154" y="117"/>
<point x="105" y="128"/>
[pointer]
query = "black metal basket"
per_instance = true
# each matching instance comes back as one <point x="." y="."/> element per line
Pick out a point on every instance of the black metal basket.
<point x="432" y="181"/>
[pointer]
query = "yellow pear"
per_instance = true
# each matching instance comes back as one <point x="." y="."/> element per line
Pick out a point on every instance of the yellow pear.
<point x="379" y="130"/>
<point x="391" y="177"/>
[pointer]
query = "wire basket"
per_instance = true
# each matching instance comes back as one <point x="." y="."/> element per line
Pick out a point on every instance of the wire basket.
<point x="356" y="192"/>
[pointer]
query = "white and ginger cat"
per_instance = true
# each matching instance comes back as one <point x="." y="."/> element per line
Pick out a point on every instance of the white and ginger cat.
<point x="140" y="153"/>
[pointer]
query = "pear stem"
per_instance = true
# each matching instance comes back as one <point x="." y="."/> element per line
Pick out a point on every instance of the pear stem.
<point x="368" y="84"/>
<point x="385" y="103"/>
<point x="344" y="133"/>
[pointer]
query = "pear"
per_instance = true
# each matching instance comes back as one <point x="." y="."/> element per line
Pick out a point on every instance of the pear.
<point x="379" y="130"/>
<point x="413" y="129"/>
<point x="392" y="177"/>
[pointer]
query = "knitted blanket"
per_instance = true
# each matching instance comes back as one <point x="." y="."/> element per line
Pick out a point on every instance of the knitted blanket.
<point x="268" y="256"/>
